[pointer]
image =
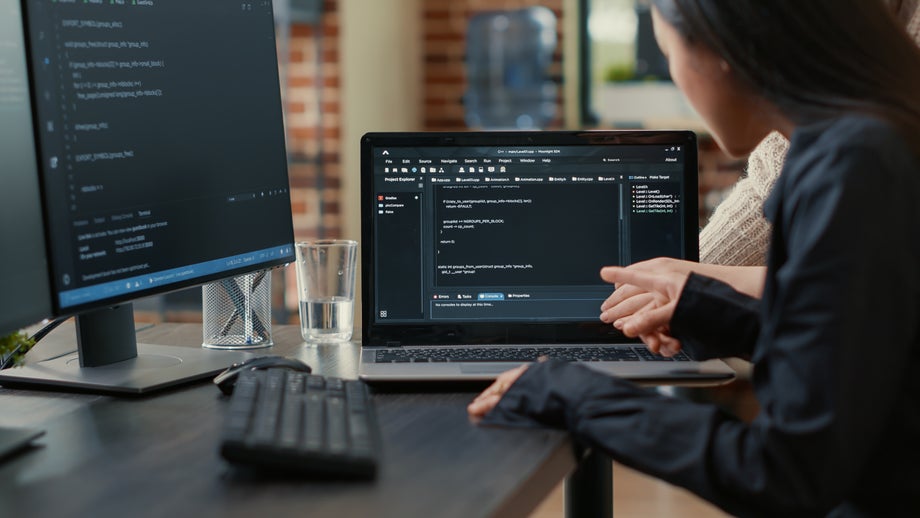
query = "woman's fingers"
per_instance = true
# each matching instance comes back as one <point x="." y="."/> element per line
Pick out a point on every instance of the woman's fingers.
<point x="647" y="320"/>
<point x="490" y="397"/>
<point x="626" y="307"/>
<point x="670" y="346"/>
<point x="482" y="405"/>
<point x="621" y="293"/>
<point x="652" y="341"/>
<point x="665" y="283"/>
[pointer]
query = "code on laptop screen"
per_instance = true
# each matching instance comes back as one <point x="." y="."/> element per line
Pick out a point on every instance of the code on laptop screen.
<point x="519" y="232"/>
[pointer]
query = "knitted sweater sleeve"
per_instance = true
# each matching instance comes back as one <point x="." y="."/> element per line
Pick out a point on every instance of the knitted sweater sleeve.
<point x="737" y="233"/>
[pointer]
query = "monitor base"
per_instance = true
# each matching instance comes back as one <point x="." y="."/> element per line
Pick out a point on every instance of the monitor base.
<point x="156" y="367"/>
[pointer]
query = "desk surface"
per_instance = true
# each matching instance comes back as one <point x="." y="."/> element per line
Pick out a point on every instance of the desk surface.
<point x="157" y="455"/>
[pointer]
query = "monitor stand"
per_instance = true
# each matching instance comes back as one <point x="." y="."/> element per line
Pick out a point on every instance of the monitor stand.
<point x="110" y="361"/>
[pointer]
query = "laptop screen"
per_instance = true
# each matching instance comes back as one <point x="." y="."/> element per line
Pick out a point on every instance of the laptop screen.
<point x="478" y="233"/>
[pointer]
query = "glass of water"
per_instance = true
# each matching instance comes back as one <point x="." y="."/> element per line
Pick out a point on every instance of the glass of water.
<point x="326" y="289"/>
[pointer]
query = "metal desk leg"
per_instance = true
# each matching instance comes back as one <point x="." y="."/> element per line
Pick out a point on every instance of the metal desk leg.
<point x="589" y="489"/>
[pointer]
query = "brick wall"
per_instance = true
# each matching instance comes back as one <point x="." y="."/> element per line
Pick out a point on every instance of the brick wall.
<point x="309" y="70"/>
<point x="312" y="96"/>
<point x="313" y="110"/>
<point x="312" y="115"/>
<point x="311" y="84"/>
<point x="444" y="31"/>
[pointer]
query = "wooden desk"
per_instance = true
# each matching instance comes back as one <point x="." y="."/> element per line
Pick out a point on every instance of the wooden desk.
<point x="157" y="455"/>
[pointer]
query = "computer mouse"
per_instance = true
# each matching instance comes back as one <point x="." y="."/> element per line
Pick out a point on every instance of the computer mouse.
<point x="227" y="379"/>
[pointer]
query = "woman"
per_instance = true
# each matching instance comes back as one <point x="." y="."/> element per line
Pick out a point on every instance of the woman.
<point x="835" y="340"/>
<point x="737" y="233"/>
<point x="733" y="244"/>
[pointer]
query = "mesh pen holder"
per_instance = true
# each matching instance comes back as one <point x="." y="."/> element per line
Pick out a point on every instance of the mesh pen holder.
<point x="236" y="312"/>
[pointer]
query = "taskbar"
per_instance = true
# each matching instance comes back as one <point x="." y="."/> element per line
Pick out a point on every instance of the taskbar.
<point x="185" y="274"/>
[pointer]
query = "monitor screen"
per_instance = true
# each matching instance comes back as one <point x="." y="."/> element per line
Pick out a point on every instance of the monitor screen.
<point x="24" y="295"/>
<point x="162" y="151"/>
<point x="161" y="148"/>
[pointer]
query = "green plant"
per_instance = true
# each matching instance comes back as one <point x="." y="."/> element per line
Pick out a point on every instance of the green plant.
<point x="626" y="72"/>
<point x="13" y="347"/>
<point x="619" y="72"/>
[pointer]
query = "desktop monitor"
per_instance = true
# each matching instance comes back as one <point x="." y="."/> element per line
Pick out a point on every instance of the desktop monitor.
<point x="24" y="292"/>
<point x="159" y="137"/>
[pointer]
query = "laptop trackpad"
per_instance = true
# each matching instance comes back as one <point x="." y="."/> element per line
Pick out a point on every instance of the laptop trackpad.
<point x="486" y="367"/>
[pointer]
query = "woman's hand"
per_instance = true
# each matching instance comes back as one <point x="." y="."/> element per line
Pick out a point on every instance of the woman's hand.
<point x="746" y="279"/>
<point x="486" y="401"/>
<point x="627" y="299"/>
<point x="644" y="302"/>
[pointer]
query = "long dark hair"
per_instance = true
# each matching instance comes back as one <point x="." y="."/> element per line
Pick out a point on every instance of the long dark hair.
<point x="813" y="59"/>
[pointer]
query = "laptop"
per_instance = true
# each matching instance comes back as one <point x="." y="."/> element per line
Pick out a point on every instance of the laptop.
<point x="482" y="250"/>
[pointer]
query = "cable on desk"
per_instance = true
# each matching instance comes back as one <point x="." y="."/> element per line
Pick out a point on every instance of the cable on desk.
<point x="8" y="361"/>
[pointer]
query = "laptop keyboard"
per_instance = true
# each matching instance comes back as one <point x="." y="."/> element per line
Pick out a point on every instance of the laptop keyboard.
<point x="522" y="354"/>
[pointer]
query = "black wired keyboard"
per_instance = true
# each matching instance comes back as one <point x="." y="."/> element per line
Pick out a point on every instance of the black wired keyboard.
<point x="280" y="419"/>
<point x="523" y="354"/>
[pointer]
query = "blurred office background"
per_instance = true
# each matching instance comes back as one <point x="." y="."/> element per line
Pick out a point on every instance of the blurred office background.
<point x="352" y="66"/>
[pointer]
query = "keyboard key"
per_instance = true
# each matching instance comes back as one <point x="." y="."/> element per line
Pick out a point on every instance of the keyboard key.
<point x="316" y="382"/>
<point x="290" y="423"/>
<point x="336" y="430"/>
<point x="314" y="417"/>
